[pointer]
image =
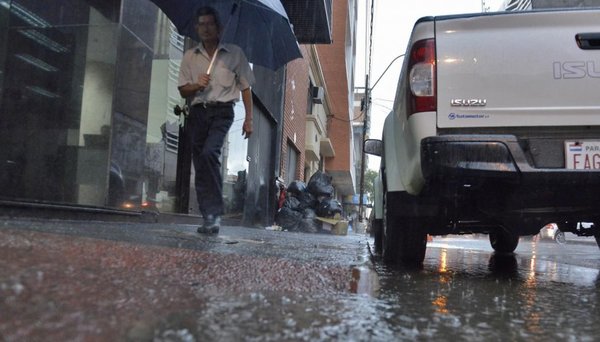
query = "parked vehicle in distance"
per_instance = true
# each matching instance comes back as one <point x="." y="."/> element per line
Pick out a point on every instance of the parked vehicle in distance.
<point x="495" y="129"/>
<point x="552" y="232"/>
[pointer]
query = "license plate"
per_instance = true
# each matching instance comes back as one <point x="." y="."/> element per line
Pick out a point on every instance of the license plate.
<point x="582" y="155"/>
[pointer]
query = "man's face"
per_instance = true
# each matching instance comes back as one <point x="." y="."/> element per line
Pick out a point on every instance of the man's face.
<point x="207" y="28"/>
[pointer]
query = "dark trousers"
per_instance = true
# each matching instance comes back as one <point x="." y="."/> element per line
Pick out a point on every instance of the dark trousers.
<point x="208" y="128"/>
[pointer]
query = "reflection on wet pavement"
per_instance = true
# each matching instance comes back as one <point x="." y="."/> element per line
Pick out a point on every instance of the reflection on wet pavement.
<point x="484" y="296"/>
<point x="364" y="281"/>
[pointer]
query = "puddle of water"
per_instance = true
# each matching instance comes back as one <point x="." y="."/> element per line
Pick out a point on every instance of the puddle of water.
<point x="364" y="281"/>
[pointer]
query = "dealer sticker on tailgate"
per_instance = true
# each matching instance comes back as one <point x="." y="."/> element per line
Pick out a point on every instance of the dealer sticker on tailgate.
<point x="582" y="155"/>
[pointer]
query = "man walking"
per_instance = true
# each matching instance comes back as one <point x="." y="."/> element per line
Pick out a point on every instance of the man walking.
<point x="213" y="94"/>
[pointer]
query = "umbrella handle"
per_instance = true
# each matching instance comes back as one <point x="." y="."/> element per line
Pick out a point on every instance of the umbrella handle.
<point x="212" y="61"/>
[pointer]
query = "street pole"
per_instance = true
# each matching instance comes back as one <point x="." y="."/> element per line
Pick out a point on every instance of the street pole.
<point x="362" y="153"/>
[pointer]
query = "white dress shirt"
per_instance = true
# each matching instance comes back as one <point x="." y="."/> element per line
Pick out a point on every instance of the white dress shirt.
<point x="230" y="74"/>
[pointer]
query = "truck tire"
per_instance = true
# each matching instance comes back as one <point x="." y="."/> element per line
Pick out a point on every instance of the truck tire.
<point x="414" y="242"/>
<point x="389" y="247"/>
<point x="503" y="241"/>
<point x="404" y="238"/>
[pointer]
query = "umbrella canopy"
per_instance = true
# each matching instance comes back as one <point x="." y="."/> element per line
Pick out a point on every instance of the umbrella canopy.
<point x="260" y="27"/>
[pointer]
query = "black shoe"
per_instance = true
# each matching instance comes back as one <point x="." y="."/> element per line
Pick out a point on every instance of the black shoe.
<point x="211" y="225"/>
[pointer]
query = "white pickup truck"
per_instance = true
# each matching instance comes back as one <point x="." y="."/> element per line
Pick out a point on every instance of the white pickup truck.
<point x="495" y="129"/>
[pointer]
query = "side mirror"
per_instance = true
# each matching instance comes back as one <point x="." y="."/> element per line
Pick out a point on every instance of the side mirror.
<point x="374" y="147"/>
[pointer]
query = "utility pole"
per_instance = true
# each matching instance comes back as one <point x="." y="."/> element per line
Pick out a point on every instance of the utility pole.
<point x="362" y="152"/>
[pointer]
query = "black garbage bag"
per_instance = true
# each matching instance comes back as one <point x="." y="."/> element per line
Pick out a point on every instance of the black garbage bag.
<point x="307" y="200"/>
<point x="320" y="185"/>
<point x="292" y="203"/>
<point x="309" y="225"/>
<point x="309" y="213"/>
<point x="328" y="207"/>
<point x="296" y="187"/>
<point x="288" y="219"/>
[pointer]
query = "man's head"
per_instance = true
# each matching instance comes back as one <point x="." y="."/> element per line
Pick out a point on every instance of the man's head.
<point x="208" y="26"/>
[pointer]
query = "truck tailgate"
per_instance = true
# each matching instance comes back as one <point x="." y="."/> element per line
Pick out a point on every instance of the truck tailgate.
<point x="518" y="69"/>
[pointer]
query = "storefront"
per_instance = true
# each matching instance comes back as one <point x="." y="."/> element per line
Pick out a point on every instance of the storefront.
<point x="87" y="91"/>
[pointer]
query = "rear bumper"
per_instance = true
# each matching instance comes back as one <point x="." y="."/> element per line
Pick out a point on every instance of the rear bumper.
<point x="476" y="158"/>
<point x="493" y="173"/>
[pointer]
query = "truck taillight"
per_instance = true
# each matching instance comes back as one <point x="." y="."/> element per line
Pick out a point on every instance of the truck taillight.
<point x="422" y="77"/>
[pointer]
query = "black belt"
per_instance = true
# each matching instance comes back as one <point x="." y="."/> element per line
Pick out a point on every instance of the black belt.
<point x="214" y="104"/>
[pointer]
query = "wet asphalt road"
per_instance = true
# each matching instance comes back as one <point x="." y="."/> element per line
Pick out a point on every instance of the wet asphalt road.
<point x="150" y="282"/>
<point x="542" y="292"/>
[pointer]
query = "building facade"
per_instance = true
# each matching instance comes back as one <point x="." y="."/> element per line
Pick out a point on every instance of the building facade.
<point x="319" y="108"/>
<point x="338" y="76"/>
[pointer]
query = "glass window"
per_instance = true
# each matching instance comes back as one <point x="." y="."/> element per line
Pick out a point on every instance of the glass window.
<point x="129" y="120"/>
<point x="75" y="103"/>
<point x="163" y="128"/>
<point x="56" y="99"/>
<point x="235" y="167"/>
<point x="140" y="17"/>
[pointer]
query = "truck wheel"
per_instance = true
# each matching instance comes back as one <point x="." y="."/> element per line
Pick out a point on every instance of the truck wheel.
<point x="597" y="236"/>
<point x="389" y="246"/>
<point x="405" y="243"/>
<point x="377" y="227"/>
<point x="414" y="242"/>
<point x="503" y="241"/>
<point x="404" y="238"/>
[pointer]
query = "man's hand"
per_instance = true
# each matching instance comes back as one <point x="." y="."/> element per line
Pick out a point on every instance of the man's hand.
<point x="247" y="128"/>
<point x="203" y="81"/>
<point x="247" y="99"/>
<point x="190" y="89"/>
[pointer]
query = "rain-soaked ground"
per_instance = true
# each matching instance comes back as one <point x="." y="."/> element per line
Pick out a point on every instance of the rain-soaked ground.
<point x="105" y="282"/>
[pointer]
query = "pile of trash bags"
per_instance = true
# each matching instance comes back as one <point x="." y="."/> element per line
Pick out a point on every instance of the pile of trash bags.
<point x="304" y="203"/>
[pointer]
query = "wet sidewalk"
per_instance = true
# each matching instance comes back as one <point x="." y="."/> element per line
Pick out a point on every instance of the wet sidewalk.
<point x="99" y="281"/>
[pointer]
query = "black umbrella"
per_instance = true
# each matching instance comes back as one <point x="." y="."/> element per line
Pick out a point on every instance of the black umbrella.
<point x="260" y="27"/>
